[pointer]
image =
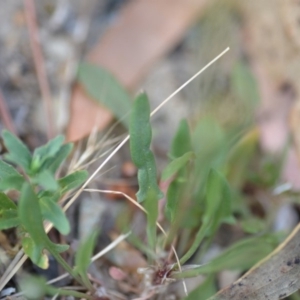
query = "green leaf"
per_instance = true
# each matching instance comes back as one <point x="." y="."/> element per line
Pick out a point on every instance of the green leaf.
<point x="208" y="141"/>
<point x="55" y="162"/>
<point x="33" y="287"/>
<point x="240" y="256"/>
<point x="217" y="210"/>
<point x="180" y="149"/>
<point x="174" y="195"/>
<point x="7" y="170"/>
<point x="31" y="219"/>
<point x="177" y="164"/>
<point x="6" y="203"/>
<point x="239" y="158"/>
<point x="72" y="181"/>
<point x="18" y="152"/>
<point x="46" y="152"/>
<point x="52" y="212"/>
<point x="13" y="182"/>
<point x="8" y="213"/>
<point x="83" y="257"/>
<point x="84" y="253"/>
<point x="151" y="206"/>
<point x="37" y="287"/>
<point x="46" y="180"/>
<point x="105" y="89"/>
<point x="140" y="140"/>
<point x="253" y="225"/>
<point x="245" y="86"/>
<point x="54" y="196"/>
<point x="181" y="143"/>
<point x="204" y="290"/>
<point x="218" y="200"/>
<point x="59" y="248"/>
<point x="9" y="219"/>
<point x="36" y="239"/>
<point x="35" y="252"/>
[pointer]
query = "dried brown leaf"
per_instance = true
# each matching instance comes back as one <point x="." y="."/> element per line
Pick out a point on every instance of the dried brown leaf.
<point x="275" y="277"/>
<point x="144" y="32"/>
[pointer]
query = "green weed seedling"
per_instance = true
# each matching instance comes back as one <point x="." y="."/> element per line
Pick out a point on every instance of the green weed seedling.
<point x="39" y="193"/>
<point x="206" y="173"/>
<point x="203" y="194"/>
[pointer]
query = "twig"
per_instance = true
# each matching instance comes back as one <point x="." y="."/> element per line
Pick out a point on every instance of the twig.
<point x="39" y="63"/>
<point x="5" y="115"/>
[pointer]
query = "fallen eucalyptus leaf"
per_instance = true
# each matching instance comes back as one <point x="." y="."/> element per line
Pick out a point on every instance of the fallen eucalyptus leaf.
<point x="275" y="277"/>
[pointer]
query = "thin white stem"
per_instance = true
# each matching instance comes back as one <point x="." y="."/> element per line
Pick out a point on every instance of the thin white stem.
<point x="127" y="137"/>
<point x="111" y="246"/>
<point x="187" y="82"/>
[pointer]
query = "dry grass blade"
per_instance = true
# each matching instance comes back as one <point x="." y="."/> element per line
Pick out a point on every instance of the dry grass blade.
<point x="127" y="137"/>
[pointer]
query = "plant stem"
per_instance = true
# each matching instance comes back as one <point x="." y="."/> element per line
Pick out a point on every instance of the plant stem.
<point x="64" y="292"/>
<point x="63" y="263"/>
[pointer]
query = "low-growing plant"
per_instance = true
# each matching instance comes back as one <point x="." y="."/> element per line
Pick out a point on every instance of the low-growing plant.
<point x="199" y="197"/>
<point x="39" y="191"/>
<point x="208" y="166"/>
